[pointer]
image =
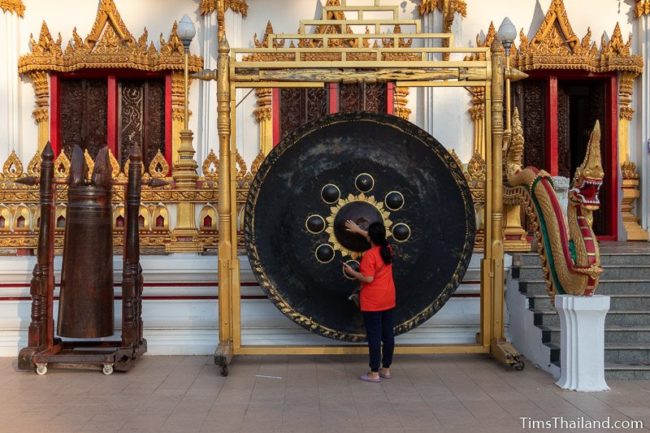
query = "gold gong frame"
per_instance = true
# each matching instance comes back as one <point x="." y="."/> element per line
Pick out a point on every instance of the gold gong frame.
<point x="304" y="66"/>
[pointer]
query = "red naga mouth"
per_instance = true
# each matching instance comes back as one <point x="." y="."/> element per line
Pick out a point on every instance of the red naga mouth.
<point x="587" y="192"/>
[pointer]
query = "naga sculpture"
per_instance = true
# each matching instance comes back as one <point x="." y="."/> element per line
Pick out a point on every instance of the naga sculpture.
<point x="568" y="249"/>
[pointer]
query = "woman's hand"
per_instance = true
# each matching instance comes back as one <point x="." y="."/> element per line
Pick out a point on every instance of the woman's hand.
<point x="351" y="226"/>
<point x="348" y="270"/>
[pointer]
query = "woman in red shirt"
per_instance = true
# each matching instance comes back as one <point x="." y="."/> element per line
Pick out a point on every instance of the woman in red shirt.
<point x="377" y="298"/>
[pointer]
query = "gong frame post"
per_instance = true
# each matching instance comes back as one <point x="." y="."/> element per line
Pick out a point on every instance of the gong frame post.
<point x="500" y="349"/>
<point x="223" y="354"/>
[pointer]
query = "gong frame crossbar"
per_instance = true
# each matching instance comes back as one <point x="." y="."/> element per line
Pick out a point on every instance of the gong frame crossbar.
<point x="291" y="67"/>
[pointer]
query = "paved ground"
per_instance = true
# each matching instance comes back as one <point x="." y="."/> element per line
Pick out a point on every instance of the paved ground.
<point x="179" y="394"/>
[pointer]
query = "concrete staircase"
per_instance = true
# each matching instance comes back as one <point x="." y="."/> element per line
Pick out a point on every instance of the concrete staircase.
<point x="626" y="280"/>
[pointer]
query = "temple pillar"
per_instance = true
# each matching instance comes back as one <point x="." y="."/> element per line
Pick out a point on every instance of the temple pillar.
<point x="178" y="110"/>
<point x="644" y="46"/>
<point x="264" y="116"/>
<point x="41" y="113"/>
<point x="207" y="134"/>
<point x="11" y="14"/>
<point x="401" y="102"/>
<point x="629" y="174"/>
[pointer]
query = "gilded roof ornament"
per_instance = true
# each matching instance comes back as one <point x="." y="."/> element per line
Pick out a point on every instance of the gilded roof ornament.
<point x="238" y="6"/>
<point x="16" y="6"/>
<point x="109" y="45"/>
<point x="642" y="7"/>
<point x="556" y="46"/>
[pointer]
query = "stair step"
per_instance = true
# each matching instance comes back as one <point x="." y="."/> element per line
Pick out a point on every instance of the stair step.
<point x="616" y="272"/>
<point x="620" y="370"/>
<point x="613" y="334"/>
<point x="631" y="354"/>
<point x="618" y="302"/>
<point x="616" y="371"/>
<point x="607" y="259"/>
<point x="622" y="318"/>
<point x="605" y="287"/>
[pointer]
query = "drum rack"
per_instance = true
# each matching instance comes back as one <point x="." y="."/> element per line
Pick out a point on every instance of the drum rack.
<point x="272" y="67"/>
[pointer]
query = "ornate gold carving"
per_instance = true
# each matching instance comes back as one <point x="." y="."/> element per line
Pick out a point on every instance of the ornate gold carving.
<point x="625" y="89"/>
<point x="108" y="45"/>
<point x="555" y="46"/>
<point x="62" y="166"/>
<point x="257" y="162"/>
<point x="210" y="178"/>
<point x="238" y="6"/>
<point x="89" y="163"/>
<point x="476" y="168"/>
<point x="628" y="170"/>
<point x="264" y="104"/>
<point x="642" y="8"/>
<point x="401" y="101"/>
<point x="34" y="166"/>
<point x="631" y="193"/>
<point x="16" y="6"/>
<point x="158" y="168"/>
<point x="448" y="6"/>
<point x="12" y="168"/>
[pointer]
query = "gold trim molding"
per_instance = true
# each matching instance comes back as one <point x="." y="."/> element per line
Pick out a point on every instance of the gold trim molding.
<point x="641" y="8"/>
<point x="237" y="6"/>
<point x="16" y="6"/>
<point x="109" y="45"/>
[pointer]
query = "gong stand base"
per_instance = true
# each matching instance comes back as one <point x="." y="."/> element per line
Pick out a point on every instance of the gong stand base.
<point x="223" y="357"/>
<point x="108" y="356"/>
<point x="506" y="354"/>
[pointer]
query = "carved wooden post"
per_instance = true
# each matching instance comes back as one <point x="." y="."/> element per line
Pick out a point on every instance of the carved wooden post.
<point x="132" y="272"/>
<point x="41" y="328"/>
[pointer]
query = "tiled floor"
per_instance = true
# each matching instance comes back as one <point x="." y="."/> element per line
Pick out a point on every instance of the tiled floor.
<point x="180" y="394"/>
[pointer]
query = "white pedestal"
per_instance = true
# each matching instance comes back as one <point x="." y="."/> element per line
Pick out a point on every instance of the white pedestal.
<point x="582" y="350"/>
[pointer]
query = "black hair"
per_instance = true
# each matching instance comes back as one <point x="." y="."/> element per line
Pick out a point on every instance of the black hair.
<point x="377" y="234"/>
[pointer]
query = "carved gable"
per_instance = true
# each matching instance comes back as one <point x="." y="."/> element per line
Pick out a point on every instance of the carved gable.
<point x="109" y="45"/>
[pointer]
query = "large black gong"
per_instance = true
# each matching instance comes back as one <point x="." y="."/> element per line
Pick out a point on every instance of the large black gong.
<point x="365" y="167"/>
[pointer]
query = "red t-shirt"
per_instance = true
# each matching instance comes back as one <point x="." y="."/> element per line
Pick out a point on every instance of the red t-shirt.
<point x="380" y="294"/>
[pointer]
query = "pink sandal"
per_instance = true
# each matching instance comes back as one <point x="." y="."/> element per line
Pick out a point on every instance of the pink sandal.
<point x="367" y="378"/>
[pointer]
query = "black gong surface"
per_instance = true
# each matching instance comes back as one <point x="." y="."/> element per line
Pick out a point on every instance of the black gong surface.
<point x="383" y="168"/>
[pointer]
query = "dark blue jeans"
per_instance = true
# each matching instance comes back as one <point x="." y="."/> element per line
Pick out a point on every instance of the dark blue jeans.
<point x="379" y="328"/>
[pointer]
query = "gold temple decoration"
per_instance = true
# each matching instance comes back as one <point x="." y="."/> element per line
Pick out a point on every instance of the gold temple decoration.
<point x="642" y="7"/>
<point x="109" y="45"/>
<point x="15" y="6"/>
<point x="449" y="9"/>
<point x="12" y="168"/>
<point x="556" y="46"/>
<point x="209" y="6"/>
<point x="155" y="234"/>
